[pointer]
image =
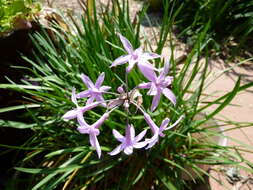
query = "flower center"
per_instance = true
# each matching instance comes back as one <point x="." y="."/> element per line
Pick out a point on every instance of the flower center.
<point x="135" y="57"/>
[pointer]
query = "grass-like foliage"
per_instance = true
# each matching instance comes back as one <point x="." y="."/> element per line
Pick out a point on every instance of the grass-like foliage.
<point x="60" y="157"/>
<point x="228" y="19"/>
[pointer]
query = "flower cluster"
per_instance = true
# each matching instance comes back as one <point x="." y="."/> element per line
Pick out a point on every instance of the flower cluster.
<point x="158" y="85"/>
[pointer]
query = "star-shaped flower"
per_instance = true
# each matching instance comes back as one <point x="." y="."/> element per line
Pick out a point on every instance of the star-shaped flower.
<point x="158" y="131"/>
<point x="158" y="86"/>
<point x="92" y="131"/>
<point x="78" y="111"/>
<point x="135" y="56"/>
<point x="94" y="91"/>
<point x="129" y="142"/>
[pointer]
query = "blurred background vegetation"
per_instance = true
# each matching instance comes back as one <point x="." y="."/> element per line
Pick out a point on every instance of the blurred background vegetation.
<point x="229" y="21"/>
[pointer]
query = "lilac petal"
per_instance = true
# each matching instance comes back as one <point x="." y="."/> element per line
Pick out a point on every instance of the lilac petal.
<point x="128" y="150"/>
<point x="101" y="120"/>
<point x="104" y="88"/>
<point x="90" y="100"/>
<point x="152" y="90"/>
<point x="94" y="143"/>
<point x="164" y="124"/>
<point x="168" y="80"/>
<point x="138" y="52"/>
<point x="115" y="103"/>
<point x="166" y="68"/>
<point x="86" y="80"/>
<point x="130" y="66"/>
<point x="83" y="130"/>
<point x="99" y="98"/>
<point x="89" y="106"/>
<point x="131" y="132"/>
<point x="140" y="144"/>
<point x="145" y="85"/>
<point x="152" y="141"/>
<point x="140" y="136"/>
<point x="151" y="123"/>
<point x="70" y="114"/>
<point x="73" y="96"/>
<point x="117" y="150"/>
<point x="148" y="71"/>
<point x="118" y="136"/>
<point x="81" y="120"/>
<point x="147" y="55"/>
<point x="121" y="60"/>
<point x="100" y="80"/>
<point x="174" y="124"/>
<point x="83" y="94"/>
<point x="170" y="95"/>
<point x="156" y="101"/>
<point x="127" y="45"/>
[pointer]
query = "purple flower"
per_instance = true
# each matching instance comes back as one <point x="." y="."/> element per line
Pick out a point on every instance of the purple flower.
<point x="158" y="131"/>
<point x="135" y="56"/>
<point x="158" y="86"/>
<point x="94" y="92"/>
<point x="93" y="131"/>
<point x="129" y="141"/>
<point x="78" y="111"/>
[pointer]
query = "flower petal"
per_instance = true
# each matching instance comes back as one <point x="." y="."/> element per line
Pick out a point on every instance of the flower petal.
<point x="86" y="80"/>
<point x="147" y="70"/>
<point x="114" y="103"/>
<point x="73" y="96"/>
<point x="81" y="120"/>
<point x="163" y="126"/>
<point x="100" y="99"/>
<point x="83" y="130"/>
<point x="145" y="85"/>
<point x="147" y="55"/>
<point x="94" y="143"/>
<point x="101" y="120"/>
<point x="90" y="100"/>
<point x="121" y="60"/>
<point x="100" y="80"/>
<point x="152" y="141"/>
<point x="70" y="114"/>
<point x="127" y="45"/>
<point x="131" y="132"/>
<point x="130" y="66"/>
<point x="151" y="123"/>
<point x="174" y="124"/>
<point x="140" y="144"/>
<point x="140" y="136"/>
<point x="118" y="136"/>
<point x="104" y="88"/>
<point x="117" y="150"/>
<point x="166" y="68"/>
<point x="156" y="101"/>
<point x="128" y="150"/>
<point x="89" y="106"/>
<point x="153" y="89"/>
<point x="83" y="94"/>
<point x="170" y="95"/>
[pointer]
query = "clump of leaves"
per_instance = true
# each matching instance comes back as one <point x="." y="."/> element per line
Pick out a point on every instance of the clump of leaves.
<point x="14" y="12"/>
<point x="62" y="158"/>
<point x="228" y="19"/>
